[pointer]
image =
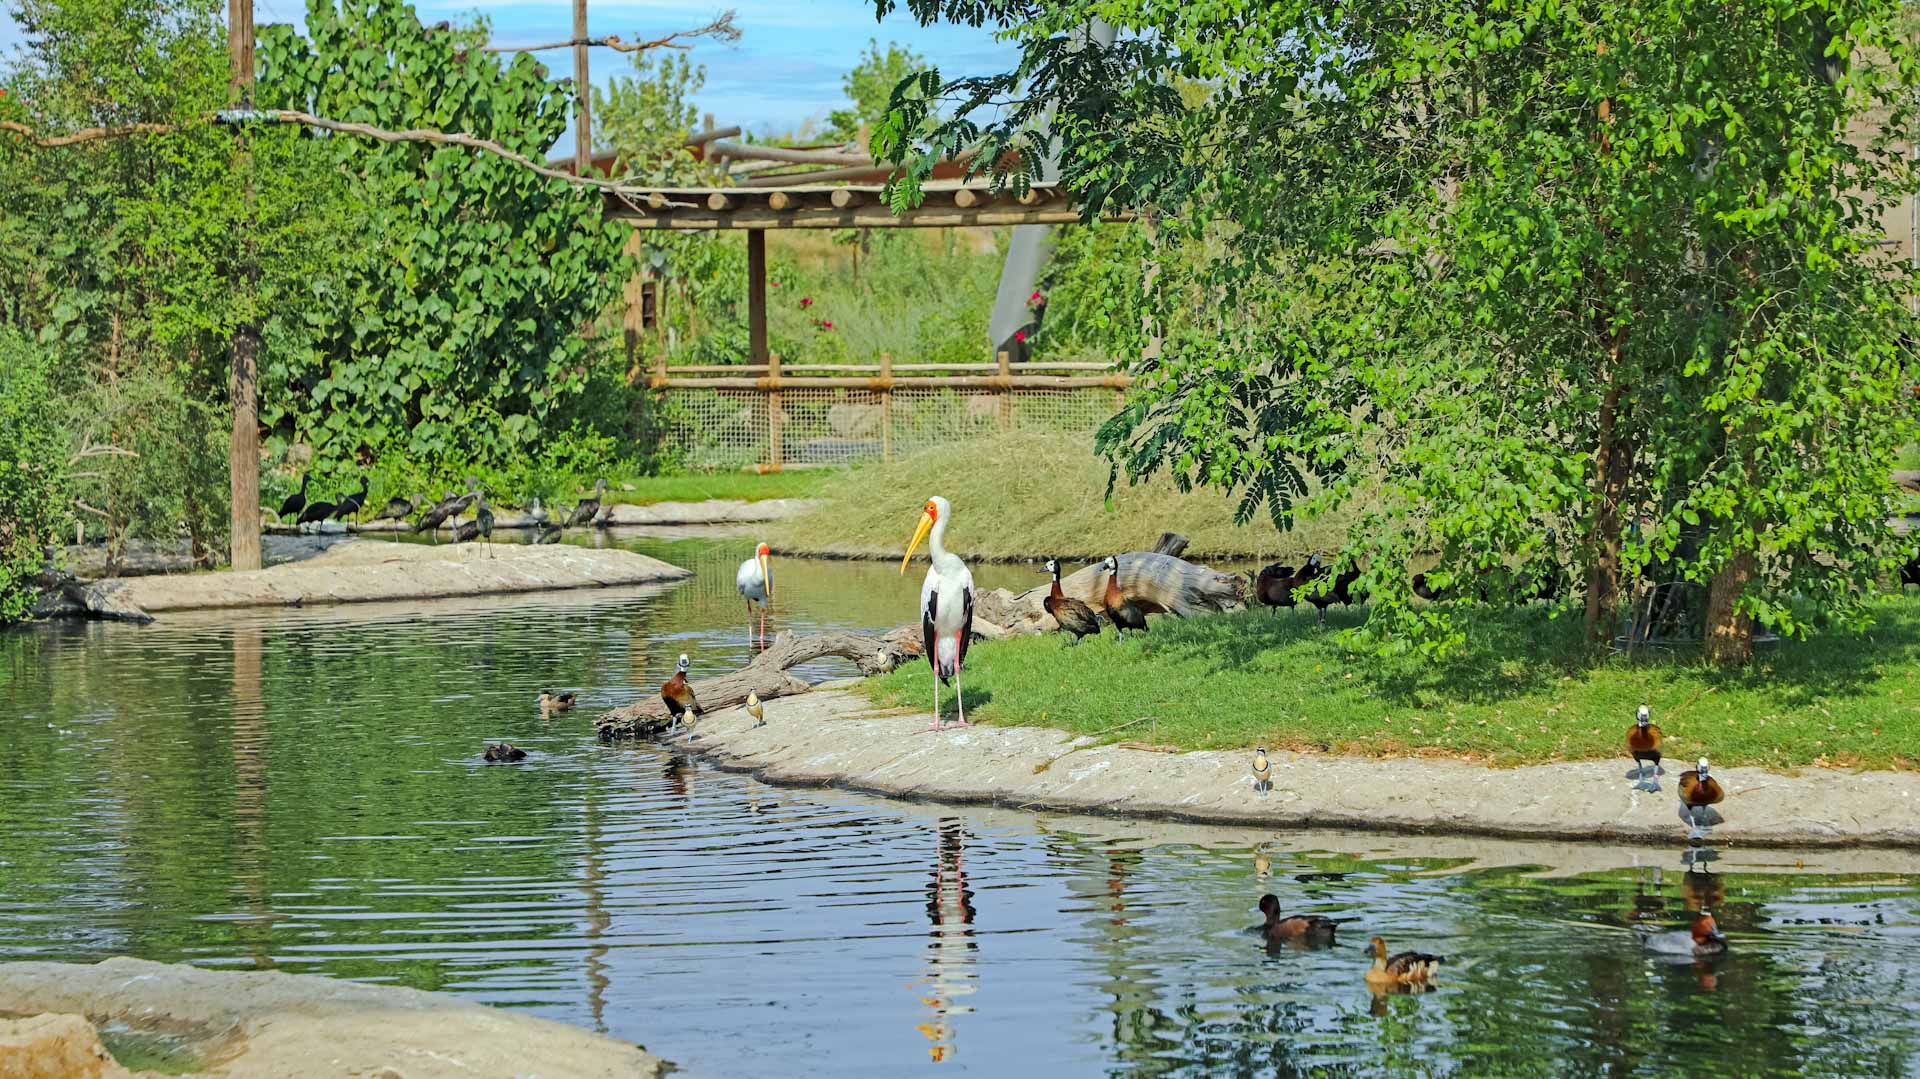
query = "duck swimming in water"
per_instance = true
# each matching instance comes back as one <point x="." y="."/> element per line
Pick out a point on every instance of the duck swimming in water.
<point x="1701" y="940"/>
<point x="1401" y="969"/>
<point x="1312" y="929"/>
<point x="504" y="751"/>
<point x="557" y="702"/>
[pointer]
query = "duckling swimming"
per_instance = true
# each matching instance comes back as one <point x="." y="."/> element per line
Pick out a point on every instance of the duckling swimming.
<point x="1401" y="969"/>
<point x="504" y="751"/>
<point x="1312" y="930"/>
<point x="557" y="702"/>
<point x="1701" y="940"/>
<point x="1643" y="745"/>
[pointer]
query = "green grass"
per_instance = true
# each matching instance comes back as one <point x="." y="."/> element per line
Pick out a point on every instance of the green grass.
<point x="1517" y="696"/>
<point x="699" y="486"/>
<point x="1029" y="495"/>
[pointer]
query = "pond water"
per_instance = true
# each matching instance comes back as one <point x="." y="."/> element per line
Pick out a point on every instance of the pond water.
<point x="302" y="791"/>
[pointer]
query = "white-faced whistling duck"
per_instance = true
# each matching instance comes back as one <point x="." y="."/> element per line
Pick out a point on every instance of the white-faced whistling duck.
<point x="1698" y="790"/>
<point x="1305" y="928"/>
<point x="1404" y="968"/>
<point x="1124" y="613"/>
<point x="1073" y="616"/>
<point x="450" y="506"/>
<point x="588" y="507"/>
<point x="1262" y="771"/>
<point x="681" y="702"/>
<point x="754" y="709"/>
<point x="398" y="508"/>
<point x="754" y="581"/>
<point x="1643" y="742"/>
<point x="351" y="504"/>
<point x="946" y="605"/>
<point x="1316" y="569"/>
<point x="1275" y="585"/>
<point x="1703" y="938"/>
<point x="481" y="527"/>
<point x="504" y="751"/>
<point x="557" y="702"/>
<point x="296" y="501"/>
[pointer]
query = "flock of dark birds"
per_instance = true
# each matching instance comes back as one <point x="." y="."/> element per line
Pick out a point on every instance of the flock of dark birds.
<point x="588" y="511"/>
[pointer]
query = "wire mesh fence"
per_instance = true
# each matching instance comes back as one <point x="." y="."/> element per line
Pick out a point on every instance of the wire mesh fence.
<point x="810" y="426"/>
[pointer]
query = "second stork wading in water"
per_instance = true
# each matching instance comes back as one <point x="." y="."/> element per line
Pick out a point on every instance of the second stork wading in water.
<point x="755" y="585"/>
<point x="946" y="605"/>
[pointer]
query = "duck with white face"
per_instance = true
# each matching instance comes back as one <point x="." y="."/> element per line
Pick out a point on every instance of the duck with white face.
<point x="1072" y="616"/>
<point x="1125" y="612"/>
<point x="754" y="582"/>
<point x="946" y="605"/>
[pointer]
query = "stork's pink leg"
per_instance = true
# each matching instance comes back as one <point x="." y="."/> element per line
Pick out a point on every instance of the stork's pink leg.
<point x="959" y="692"/>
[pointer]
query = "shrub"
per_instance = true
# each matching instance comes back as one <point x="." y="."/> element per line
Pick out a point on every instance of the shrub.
<point x="32" y="473"/>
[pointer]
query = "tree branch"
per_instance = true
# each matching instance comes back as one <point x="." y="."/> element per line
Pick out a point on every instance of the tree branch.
<point x="85" y="134"/>
<point x="720" y="28"/>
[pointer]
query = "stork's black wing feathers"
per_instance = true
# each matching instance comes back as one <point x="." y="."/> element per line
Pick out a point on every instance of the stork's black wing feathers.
<point x="926" y="629"/>
<point x="966" y="628"/>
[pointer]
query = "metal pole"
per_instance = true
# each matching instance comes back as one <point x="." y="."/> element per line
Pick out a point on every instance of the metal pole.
<point x="583" y="94"/>
<point x="243" y="383"/>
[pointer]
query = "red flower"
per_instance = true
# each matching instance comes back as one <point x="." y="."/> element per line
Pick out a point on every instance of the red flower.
<point x="776" y="284"/>
<point x="1019" y="335"/>
<point x="807" y="302"/>
<point x="828" y="325"/>
<point x="1035" y="298"/>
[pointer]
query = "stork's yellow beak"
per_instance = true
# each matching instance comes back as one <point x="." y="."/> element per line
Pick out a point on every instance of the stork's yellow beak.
<point x="926" y="526"/>
<point x="766" y="574"/>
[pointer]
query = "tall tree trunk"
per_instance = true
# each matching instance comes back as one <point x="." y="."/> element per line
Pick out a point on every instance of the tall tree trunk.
<point x="1729" y="630"/>
<point x="1612" y="470"/>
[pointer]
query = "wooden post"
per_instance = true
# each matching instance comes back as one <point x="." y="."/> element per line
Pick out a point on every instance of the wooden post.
<point x="886" y="406"/>
<point x="776" y="413"/>
<point x="1005" y="361"/>
<point x="582" y="93"/>
<point x="243" y="381"/>
<point x="632" y="321"/>
<point x="757" y="295"/>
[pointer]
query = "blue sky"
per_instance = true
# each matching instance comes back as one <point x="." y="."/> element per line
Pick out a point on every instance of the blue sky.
<point x="785" y="70"/>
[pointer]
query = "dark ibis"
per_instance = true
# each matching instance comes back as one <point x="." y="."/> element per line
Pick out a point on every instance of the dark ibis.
<point x="588" y="508"/>
<point x="946" y="605"/>
<point x="316" y="511"/>
<point x="546" y="533"/>
<point x="398" y="508"/>
<point x="481" y="527"/>
<point x="1073" y="616"/>
<point x="450" y="506"/>
<point x="296" y="501"/>
<point x="1124" y="613"/>
<point x="682" y="705"/>
<point x="351" y="504"/>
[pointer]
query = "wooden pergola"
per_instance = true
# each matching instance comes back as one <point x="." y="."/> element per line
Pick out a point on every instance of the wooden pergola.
<point x="947" y="204"/>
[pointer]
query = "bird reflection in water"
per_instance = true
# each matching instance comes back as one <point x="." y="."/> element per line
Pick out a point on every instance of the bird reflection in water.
<point x="951" y="947"/>
<point x="1262" y="863"/>
<point x="678" y="769"/>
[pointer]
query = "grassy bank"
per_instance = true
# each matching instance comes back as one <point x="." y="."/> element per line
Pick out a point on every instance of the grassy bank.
<point x="1516" y="696"/>
<point x="1029" y="495"/>
<point x="700" y="486"/>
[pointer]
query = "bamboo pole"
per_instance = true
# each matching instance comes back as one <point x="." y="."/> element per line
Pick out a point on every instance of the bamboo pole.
<point x="776" y="415"/>
<point x="886" y="407"/>
<point x="243" y="382"/>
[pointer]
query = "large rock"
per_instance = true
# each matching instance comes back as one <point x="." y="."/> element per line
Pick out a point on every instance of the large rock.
<point x="54" y="1047"/>
<point x="269" y="1025"/>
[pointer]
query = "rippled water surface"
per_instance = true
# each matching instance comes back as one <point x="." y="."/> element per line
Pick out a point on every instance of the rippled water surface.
<point x="302" y="790"/>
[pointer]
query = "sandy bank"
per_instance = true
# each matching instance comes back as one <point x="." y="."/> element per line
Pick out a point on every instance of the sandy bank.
<point x="359" y="572"/>
<point x="269" y="1024"/>
<point x="834" y="738"/>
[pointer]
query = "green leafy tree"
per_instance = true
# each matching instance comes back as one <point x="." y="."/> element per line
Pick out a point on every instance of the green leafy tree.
<point x="645" y="119"/>
<point x="455" y="331"/>
<point x="1542" y="283"/>
<point x="869" y="87"/>
<point x="32" y="472"/>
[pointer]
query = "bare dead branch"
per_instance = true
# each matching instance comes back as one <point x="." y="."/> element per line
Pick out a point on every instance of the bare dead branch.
<point x="85" y="134"/>
<point x="720" y="29"/>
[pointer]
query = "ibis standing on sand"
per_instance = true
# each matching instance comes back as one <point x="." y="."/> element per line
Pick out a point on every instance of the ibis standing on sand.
<point x="946" y="605"/>
<point x="481" y="527"/>
<point x="588" y="508"/>
<point x="755" y="584"/>
<point x="398" y="508"/>
<point x="450" y="506"/>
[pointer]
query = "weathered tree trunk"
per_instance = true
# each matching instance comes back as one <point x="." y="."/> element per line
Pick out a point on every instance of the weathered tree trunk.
<point x="767" y="676"/>
<point x="1729" y="630"/>
<point x="1612" y="470"/>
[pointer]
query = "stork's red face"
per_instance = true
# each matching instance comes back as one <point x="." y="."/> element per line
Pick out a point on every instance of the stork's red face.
<point x="933" y="509"/>
<point x="763" y="551"/>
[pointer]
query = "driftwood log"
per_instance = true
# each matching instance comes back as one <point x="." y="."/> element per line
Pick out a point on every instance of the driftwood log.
<point x="767" y="676"/>
<point x="1161" y="580"/>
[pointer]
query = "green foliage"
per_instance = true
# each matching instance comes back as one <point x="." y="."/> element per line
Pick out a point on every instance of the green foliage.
<point x="1095" y="291"/>
<point x="32" y="472"/>
<point x="454" y="332"/>
<point x="645" y="119"/>
<point x="869" y="86"/>
<point x="1594" y="283"/>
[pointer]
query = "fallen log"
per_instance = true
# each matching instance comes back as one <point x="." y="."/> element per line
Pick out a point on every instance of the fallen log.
<point x="767" y="677"/>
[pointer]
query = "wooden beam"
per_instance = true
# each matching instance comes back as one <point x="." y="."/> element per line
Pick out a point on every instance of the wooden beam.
<point x="845" y="197"/>
<point x="757" y="295"/>
<point x="243" y="376"/>
<point x="780" y="200"/>
<point x="967" y="198"/>
<point x="1054" y="212"/>
<point x="717" y="201"/>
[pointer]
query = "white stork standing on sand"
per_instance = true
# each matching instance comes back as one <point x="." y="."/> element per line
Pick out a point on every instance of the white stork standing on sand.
<point x="946" y="605"/>
<point x="755" y="582"/>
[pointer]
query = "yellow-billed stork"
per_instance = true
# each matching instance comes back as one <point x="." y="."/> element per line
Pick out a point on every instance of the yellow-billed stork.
<point x="755" y="583"/>
<point x="946" y="604"/>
